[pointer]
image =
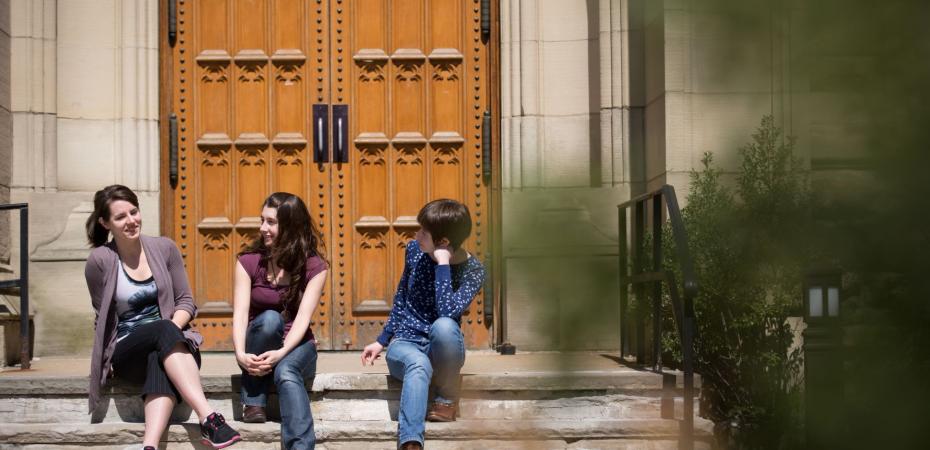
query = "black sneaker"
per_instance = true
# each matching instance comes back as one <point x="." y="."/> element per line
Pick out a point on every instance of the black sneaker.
<point x="216" y="433"/>
<point x="149" y="447"/>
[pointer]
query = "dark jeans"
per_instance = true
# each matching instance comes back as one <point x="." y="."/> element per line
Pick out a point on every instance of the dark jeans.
<point x="138" y="357"/>
<point x="266" y="332"/>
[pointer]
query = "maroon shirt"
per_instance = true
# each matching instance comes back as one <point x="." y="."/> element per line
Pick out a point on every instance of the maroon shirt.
<point x="265" y="296"/>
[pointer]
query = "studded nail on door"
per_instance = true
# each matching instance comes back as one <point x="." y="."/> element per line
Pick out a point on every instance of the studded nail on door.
<point x="367" y="109"/>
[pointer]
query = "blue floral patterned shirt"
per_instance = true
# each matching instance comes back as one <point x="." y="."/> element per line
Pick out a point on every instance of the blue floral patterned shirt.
<point x="428" y="291"/>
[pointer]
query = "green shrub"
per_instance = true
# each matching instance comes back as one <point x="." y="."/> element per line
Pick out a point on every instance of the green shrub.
<point x="748" y="249"/>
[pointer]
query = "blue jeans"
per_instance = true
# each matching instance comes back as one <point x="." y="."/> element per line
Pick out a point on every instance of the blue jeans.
<point x="415" y="362"/>
<point x="266" y="332"/>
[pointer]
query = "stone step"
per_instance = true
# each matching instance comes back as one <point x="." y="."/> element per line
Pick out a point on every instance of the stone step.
<point x="630" y="434"/>
<point x="371" y="397"/>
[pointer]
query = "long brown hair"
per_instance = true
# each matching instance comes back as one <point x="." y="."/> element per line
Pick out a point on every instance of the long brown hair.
<point x="297" y="240"/>
<point x="96" y="233"/>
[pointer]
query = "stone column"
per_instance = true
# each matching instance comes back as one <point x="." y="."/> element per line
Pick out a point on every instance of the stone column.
<point x="33" y="98"/>
<point x="6" y="132"/>
<point x="563" y="159"/>
<point x="85" y="104"/>
<point x="108" y="123"/>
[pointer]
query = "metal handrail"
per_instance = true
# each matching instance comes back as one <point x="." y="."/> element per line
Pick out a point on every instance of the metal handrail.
<point x="683" y="305"/>
<point x="23" y="281"/>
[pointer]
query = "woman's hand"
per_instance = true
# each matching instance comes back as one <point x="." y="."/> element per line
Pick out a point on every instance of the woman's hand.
<point x="253" y="365"/>
<point x="371" y="353"/>
<point x="271" y="358"/>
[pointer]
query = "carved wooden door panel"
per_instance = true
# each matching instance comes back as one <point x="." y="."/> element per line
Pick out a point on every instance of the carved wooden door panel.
<point x="400" y="86"/>
<point x="246" y="73"/>
<point x="414" y="76"/>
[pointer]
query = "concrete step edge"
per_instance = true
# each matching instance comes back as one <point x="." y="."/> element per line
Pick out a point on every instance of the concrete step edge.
<point x="630" y="381"/>
<point x="128" y="433"/>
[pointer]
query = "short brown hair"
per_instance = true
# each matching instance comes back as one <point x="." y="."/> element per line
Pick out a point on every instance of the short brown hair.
<point x="445" y="218"/>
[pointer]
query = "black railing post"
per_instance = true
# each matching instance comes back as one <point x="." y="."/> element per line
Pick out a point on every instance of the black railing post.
<point x="624" y="282"/>
<point x="24" y="286"/>
<point x="657" y="285"/>
<point x="687" y="360"/>
<point x="636" y="278"/>
<point x="639" y="215"/>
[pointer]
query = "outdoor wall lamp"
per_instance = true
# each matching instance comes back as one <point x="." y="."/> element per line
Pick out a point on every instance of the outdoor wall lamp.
<point x="822" y="296"/>
<point x="823" y="359"/>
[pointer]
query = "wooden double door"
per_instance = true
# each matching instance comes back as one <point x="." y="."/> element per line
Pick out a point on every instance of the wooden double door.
<point x="367" y="109"/>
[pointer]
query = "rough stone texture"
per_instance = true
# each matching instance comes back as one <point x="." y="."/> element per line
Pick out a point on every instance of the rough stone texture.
<point x="58" y="292"/>
<point x="603" y="444"/>
<point x="122" y="433"/>
<point x="625" y="381"/>
<point x="498" y="407"/>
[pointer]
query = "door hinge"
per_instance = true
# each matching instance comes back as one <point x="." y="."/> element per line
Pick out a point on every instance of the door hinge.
<point x="488" y="290"/>
<point x="485" y="19"/>
<point x="173" y="150"/>
<point x="486" y="146"/>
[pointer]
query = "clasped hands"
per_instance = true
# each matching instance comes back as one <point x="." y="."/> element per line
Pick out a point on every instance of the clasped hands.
<point x="259" y="365"/>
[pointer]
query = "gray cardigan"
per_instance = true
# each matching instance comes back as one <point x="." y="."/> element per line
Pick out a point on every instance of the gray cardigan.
<point x="101" y="272"/>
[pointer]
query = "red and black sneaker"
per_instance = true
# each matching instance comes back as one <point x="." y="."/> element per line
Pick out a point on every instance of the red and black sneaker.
<point x="216" y="433"/>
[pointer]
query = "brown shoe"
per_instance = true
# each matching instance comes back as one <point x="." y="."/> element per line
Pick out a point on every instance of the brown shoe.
<point x="253" y="414"/>
<point x="441" y="412"/>
<point x="411" y="445"/>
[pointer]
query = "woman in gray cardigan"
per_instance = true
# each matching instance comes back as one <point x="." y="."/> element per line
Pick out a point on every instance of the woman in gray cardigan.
<point x="143" y="302"/>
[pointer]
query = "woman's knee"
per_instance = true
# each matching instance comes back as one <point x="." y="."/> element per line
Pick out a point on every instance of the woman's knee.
<point x="169" y="333"/>
<point x="268" y="322"/>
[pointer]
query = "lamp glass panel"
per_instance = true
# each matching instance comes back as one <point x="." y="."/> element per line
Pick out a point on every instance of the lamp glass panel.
<point x="815" y="301"/>
<point x="833" y="301"/>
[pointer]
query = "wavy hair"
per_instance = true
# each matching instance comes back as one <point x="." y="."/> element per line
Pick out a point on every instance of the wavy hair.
<point x="297" y="240"/>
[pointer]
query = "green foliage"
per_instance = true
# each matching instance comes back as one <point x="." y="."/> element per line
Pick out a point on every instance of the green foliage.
<point x="748" y="259"/>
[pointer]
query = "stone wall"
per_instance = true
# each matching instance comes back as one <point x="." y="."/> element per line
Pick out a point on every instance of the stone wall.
<point x="85" y="114"/>
<point x="571" y="151"/>
<point x="712" y="70"/>
<point x="6" y="132"/>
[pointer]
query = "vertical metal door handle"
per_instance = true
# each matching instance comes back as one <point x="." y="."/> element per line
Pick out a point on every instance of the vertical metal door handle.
<point x="341" y="141"/>
<point x="320" y="133"/>
<point x="339" y="127"/>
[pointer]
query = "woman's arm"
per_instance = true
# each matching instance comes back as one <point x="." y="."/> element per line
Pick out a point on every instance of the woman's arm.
<point x="452" y="303"/>
<point x="242" y="296"/>
<point x="308" y="304"/>
<point x="184" y="308"/>
<point x="93" y="275"/>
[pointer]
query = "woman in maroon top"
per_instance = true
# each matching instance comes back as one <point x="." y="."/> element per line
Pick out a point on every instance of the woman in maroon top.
<point x="279" y="280"/>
